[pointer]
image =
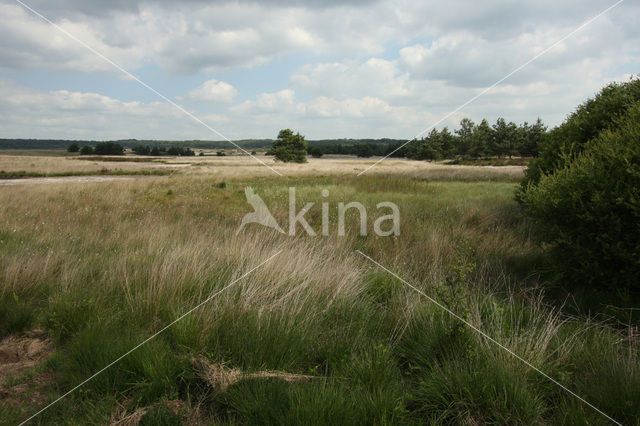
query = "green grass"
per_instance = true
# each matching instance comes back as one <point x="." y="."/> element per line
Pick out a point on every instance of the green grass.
<point x="110" y="265"/>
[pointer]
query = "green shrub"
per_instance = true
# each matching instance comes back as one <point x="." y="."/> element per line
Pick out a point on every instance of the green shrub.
<point x="108" y="148"/>
<point x="590" y="208"/>
<point x="86" y="150"/>
<point x="566" y="141"/>
<point x="74" y="147"/>
<point x="315" y="151"/>
<point x="179" y="151"/>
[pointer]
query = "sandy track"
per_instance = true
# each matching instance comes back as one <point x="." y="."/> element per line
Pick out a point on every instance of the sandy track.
<point x="66" y="179"/>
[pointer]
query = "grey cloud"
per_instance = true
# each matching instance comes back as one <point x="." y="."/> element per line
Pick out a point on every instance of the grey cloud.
<point x="73" y="8"/>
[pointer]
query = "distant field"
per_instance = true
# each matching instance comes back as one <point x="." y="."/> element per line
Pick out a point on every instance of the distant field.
<point x="37" y="152"/>
<point x="318" y="335"/>
<point x="245" y="166"/>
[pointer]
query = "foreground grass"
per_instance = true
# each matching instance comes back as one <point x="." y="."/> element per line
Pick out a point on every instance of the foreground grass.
<point x="100" y="267"/>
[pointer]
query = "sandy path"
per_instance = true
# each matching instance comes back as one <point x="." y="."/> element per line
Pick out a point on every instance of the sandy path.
<point x="66" y="179"/>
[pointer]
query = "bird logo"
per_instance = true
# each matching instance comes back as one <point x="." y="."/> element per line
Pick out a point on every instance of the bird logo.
<point x="261" y="215"/>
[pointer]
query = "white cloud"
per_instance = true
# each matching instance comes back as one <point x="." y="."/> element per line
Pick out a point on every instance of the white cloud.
<point x="65" y="114"/>
<point x="374" y="76"/>
<point x="212" y="91"/>
<point x="277" y="102"/>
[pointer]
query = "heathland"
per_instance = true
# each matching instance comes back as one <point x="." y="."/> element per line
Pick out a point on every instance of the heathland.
<point x="316" y="335"/>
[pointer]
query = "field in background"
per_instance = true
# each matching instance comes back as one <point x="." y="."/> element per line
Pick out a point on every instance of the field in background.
<point x="245" y="166"/>
<point x="316" y="336"/>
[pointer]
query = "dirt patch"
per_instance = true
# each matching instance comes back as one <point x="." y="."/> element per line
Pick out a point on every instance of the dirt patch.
<point x="18" y="355"/>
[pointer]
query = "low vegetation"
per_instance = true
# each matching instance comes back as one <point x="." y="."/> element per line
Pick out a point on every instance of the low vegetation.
<point x="135" y="255"/>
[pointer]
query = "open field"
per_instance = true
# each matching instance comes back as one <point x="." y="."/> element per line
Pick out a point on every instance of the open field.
<point x="245" y="166"/>
<point x="317" y="335"/>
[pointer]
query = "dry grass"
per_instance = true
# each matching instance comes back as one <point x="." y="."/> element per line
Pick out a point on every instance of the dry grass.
<point x="220" y="377"/>
<point x="54" y="165"/>
<point x="246" y="167"/>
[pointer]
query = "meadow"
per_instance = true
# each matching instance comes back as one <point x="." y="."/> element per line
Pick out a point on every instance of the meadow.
<point x="316" y="335"/>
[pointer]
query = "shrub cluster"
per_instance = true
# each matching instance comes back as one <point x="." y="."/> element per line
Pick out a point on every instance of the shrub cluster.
<point x="156" y="151"/>
<point x="586" y="196"/>
<point x="102" y="148"/>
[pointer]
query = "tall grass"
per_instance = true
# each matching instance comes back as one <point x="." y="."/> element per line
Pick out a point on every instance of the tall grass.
<point x="102" y="266"/>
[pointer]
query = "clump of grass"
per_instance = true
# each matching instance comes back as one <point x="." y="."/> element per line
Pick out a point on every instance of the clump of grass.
<point x="15" y="315"/>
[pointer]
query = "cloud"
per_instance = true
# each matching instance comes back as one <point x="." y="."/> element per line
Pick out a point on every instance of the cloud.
<point x="372" y="76"/>
<point x="201" y="37"/>
<point x="67" y="115"/>
<point x="211" y="91"/>
<point x="265" y="103"/>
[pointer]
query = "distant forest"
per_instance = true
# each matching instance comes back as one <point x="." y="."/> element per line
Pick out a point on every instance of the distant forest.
<point x="470" y="140"/>
<point x="132" y="143"/>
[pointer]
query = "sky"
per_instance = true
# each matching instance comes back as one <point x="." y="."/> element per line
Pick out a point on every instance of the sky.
<point x="328" y="69"/>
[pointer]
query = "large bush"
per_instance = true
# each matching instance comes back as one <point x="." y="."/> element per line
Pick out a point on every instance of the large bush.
<point x="568" y="140"/>
<point x="590" y="207"/>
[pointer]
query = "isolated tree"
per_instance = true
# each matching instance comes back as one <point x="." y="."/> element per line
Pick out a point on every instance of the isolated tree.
<point x="74" y="147"/>
<point x="290" y="147"/>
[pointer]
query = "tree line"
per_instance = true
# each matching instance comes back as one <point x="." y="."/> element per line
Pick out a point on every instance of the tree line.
<point x="156" y="151"/>
<point x="471" y="140"/>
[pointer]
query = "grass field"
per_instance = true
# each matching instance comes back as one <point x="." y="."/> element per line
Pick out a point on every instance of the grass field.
<point x="317" y="335"/>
